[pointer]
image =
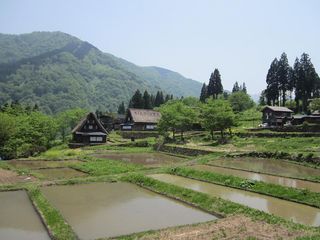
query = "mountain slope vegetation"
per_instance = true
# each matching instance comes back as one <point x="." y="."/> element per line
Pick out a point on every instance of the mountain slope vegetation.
<point x="57" y="71"/>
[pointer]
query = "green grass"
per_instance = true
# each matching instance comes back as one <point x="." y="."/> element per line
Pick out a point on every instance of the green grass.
<point x="212" y="204"/>
<point x="98" y="167"/>
<point x="291" y="194"/>
<point x="63" y="152"/>
<point x="290" y="145"/>
<point x="53" y="219"/>
<point x="5" y="165"/>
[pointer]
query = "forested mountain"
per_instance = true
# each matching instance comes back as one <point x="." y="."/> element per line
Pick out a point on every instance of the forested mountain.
<point x="58" y="71"/>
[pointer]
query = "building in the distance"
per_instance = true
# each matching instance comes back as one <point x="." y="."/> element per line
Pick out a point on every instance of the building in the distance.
<point x="89" y="131"/>
<point x="141" y="120"/>
<point x="276" y="116"/>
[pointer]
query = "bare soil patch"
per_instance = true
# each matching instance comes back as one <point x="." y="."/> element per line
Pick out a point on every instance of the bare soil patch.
<point x="10" y="177"/>
<point x="234" y="227"/>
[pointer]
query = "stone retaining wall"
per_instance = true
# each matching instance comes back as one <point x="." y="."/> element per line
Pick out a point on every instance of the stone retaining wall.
<point x="138" y="134"/>
<point x="181" y="150"/>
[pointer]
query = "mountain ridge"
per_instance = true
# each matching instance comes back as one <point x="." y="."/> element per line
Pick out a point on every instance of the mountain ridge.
<point x="65" y="72"/>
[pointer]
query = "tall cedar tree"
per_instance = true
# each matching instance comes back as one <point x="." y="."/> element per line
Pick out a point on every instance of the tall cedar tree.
<point x="167" y="98"/>
<point x="306" y="81"/>
<point x="204" y="93"/>
<point x="121" y="108"/>
<point x="136" y="100"/>
<point x="272" y="93"/>
<point x="236" y="87"/>
<point x="159" y="99"/>
<point x="215" y="86"/>
<point x="147" y="104"/>
<point x="244" y="88"/>
<point x="283" y="75"/>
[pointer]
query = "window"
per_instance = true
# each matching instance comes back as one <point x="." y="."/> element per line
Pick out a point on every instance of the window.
<point x="95" y="139"/>
<point x="90" y="126"/>
<point x="150" y="127"/>
<point x="126" y="127"/>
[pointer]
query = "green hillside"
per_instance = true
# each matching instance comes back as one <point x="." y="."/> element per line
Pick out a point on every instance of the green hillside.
<point x="58" y="71"/>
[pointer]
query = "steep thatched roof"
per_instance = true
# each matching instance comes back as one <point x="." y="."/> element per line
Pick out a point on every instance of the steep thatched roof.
<point x="278" y="109"/>
<point x="83" y="121"/>
<point x="144" y="115"/>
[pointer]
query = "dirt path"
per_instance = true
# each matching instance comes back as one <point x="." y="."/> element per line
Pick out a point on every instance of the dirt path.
<point x="10" y="177"/>
<point x="235" y="227"/>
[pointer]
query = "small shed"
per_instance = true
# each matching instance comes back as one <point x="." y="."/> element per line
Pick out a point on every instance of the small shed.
<point x="89" y="131"/>
<point x="276" y="116"/>
<point x="141" y="120"/>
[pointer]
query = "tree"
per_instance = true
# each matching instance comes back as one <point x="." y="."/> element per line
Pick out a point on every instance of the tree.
<point x="240" y="101"/>
<point x="306" y="81"/>
<point x="204" y="93"/>
<point x="167" y="98"/>
<point x="217" y="115"/>
<point x="67" y="120"/>
<point x="121" y="108"/>
<point x="283" y="77"/>
<point x="236" y="87"/>
<point x="215" y="86"/>
<point x="7" y="128"/>
<point x="262" y="98"/>
<point x="176" y="116"/>
<point x="159" y="99"/>
<point x="244" y="88"/>
<point x="315" y="105"/>
<point x="272" y="91"/>
<point x="136" y="100"/>
<point x="147" y="104"/>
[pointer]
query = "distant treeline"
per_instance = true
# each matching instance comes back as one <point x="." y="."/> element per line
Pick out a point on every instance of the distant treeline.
<point x="293" y="87"/>
<point x="145" y="100"/>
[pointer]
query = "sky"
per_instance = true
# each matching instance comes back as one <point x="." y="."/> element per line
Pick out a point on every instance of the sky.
<point x="240" y="38"/>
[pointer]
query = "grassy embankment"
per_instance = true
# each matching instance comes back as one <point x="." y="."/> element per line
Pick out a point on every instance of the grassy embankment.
<point x="213" y="205"/>
<point x="290" y="194"/>
<point x="58" y="228"/>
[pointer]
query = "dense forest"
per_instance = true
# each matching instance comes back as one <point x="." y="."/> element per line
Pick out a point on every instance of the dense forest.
<point x="57" y="72"/>
<point x="294" y="87"/>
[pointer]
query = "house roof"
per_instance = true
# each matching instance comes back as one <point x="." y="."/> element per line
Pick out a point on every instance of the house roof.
<point x="278" y="109"/>
<point x="144" y="115"/>
<point x="83" y="121"/>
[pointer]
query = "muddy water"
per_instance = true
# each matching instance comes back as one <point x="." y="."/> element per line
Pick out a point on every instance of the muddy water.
<point x="142" y="158"/>
<point x="18" y="219"/>
<point x="58" y="173"/>
<point x="113" y="209"/>
<point x="292" y="211"/>
<point x="271" y="166"/>
<point x="287" y="182"/>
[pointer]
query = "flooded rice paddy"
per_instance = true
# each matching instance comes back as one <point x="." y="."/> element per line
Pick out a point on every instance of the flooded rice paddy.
<point x="37" y="164"/>
<point x="287" y="182"/>
<point x="142" y="158"/>
<point x="113" y="209"/>
<point x="59" y="173"/>
<point x="298" y="213"/>
<point x="18" y="219"/>
<point x="271" y="166"/>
